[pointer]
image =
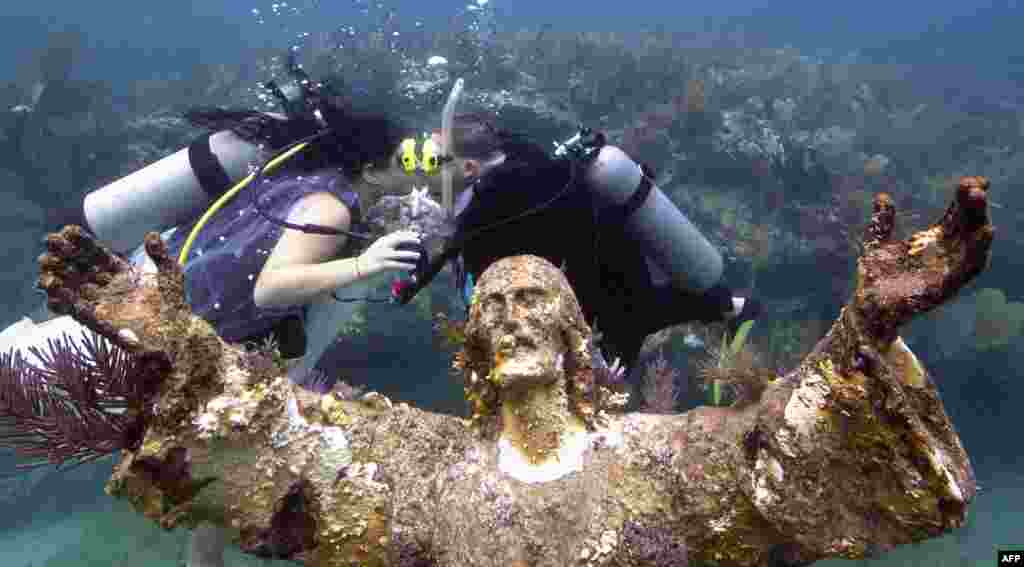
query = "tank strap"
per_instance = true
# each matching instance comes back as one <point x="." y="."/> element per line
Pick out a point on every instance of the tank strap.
<point x="635" y="201"/>
<point x="207" y="168"/>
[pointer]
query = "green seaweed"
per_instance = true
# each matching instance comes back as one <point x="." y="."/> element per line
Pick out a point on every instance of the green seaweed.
<point x="735" y="346"/>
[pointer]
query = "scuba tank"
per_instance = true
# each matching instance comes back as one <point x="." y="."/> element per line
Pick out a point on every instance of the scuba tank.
<point x="178" y="188"/>
<point x="666" y="236"/>
<point x="172" y="191"/>
<point x="668" y="239"/>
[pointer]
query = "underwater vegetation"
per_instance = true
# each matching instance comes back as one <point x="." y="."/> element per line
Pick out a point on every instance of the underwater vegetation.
<point x="78" y="404"/>
<point x="661" y="385"/>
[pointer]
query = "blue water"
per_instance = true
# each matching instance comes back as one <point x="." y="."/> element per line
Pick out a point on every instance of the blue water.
<point x="970" y="50"/>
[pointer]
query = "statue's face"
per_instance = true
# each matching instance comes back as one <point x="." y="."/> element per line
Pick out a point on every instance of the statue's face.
<point x="523" y="322"/>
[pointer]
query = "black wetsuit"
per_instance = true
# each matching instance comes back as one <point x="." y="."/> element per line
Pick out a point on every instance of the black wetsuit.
<point x="607" y="269"/>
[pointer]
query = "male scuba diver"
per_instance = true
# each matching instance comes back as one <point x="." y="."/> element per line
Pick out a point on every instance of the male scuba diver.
<point x="635" y="262"/>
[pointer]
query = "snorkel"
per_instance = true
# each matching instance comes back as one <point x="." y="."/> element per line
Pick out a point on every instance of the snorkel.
<point x="447" y="118"/>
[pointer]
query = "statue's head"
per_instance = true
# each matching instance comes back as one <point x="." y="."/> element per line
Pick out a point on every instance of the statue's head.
<point x="525" y="329"/>
<point x="523" y="321"/>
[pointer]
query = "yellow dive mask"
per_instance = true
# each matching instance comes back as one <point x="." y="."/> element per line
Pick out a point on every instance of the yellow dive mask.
<point x="428" y="160"/>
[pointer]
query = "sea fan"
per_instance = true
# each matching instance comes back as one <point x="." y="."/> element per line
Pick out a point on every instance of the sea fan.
<point x="81" y="403"/>
<point x="660" y="386"/>
<point x="320" y="382"/>
<point x="736" y="366"/>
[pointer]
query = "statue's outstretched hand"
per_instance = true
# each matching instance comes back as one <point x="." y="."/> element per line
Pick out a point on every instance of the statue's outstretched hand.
<point x="84" y="279"/>
<point x="896" y="280"/>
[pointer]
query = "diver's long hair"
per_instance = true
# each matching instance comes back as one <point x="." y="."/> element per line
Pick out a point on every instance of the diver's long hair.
<point x="361" y="132"/>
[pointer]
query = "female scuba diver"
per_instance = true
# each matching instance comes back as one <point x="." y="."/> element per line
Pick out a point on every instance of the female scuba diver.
<point x="268" y="261"/>
<point x="253" y="278"/>
<point x="636" y="264"/>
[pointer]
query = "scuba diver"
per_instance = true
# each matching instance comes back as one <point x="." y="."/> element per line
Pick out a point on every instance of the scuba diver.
<point x="267" y="263"/>
<point x="635" y="262"/>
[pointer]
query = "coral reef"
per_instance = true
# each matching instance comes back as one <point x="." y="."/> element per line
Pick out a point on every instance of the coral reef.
<point x="849" y="453"/>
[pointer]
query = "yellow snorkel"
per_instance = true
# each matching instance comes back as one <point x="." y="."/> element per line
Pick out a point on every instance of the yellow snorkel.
<point x="447" y="199"/>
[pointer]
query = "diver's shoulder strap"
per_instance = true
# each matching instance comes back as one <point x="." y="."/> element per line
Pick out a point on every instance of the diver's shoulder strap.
<point x="636" y="200"/>
<point x="212" y="177"/>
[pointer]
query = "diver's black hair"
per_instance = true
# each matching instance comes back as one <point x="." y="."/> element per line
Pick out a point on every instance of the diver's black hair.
<point x="477" y="135"/>
<point x="359" y="135"/>
<point x="363" y="134"/>
<point x="250" y="125"/>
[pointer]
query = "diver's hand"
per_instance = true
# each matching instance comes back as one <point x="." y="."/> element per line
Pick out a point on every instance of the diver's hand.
<point x="383" y="255"/>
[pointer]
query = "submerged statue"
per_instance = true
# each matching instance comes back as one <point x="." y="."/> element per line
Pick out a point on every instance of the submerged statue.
<point x="849" y="454"/>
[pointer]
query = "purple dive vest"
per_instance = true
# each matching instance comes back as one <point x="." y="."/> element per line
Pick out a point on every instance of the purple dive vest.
<point x="232" y="248"/>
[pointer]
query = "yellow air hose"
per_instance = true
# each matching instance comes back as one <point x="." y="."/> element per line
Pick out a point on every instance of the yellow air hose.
<point x="223" y="200"/>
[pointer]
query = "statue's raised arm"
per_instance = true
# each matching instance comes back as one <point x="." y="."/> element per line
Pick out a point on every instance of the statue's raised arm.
<point x="850" y="453"/>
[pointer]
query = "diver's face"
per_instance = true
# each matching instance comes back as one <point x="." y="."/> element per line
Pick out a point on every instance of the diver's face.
<point x="464" y="170"/>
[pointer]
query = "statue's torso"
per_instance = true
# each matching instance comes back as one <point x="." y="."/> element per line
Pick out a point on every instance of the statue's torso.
<point x="485" y="517"/>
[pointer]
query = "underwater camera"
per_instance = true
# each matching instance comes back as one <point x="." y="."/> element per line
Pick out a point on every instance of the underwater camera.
<point x="402" y="290"/>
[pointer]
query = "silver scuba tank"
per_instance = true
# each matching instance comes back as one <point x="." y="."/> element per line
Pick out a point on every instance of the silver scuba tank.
<point x="169" y="192"/>
<point x="667" y="237"/>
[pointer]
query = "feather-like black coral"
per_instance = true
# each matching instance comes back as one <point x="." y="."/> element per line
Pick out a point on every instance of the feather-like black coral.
<point x="80" y="403"/>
